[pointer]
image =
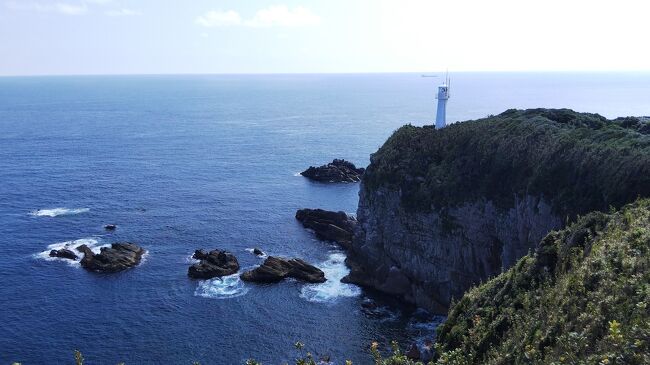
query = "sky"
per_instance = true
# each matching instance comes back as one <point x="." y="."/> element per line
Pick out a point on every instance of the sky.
<point x="59" y="37"/>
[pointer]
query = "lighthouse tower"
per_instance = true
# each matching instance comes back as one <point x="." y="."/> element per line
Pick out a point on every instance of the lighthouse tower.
<point x="443" y="96"/>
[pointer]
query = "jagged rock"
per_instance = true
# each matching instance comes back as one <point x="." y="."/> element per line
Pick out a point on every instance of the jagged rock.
<point x="275" y="269"/>
<point x="215" y="263"/>
<point x="335" y="171"/>
<point x="110" y="227"/>
<point x="200" y="254"/>
<point x="63" y="253"/>
<point x="118" y="257"/>
<point x="258" y="252"/>
<point x="330" y="226"/>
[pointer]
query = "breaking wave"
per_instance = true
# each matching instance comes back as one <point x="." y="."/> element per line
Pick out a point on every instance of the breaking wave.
<point x="333" y="289"/>
<point x="92" y="243"/>
<point x="55" y="212"/>
<point x="226" y="287"/>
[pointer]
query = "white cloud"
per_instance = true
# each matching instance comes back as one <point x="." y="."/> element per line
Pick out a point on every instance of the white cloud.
<point x="282" y="16"/>
<point x="122" y="12"/>
<point x="215" y="18"/>
<point x="277" y="15"/>
<point x="70" y="9"/>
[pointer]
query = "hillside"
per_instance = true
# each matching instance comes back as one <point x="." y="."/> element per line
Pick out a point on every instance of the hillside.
<point x="583" y="297"/>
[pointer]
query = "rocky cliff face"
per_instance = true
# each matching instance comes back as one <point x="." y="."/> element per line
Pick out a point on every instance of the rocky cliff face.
<point x="417" y="256"/>
<point x="440" y="211"/>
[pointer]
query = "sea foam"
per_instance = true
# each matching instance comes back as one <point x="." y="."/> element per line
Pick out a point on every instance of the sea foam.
<point x="55" y="212"/>
<point x="225" y="287"/>
<point x="93" y="243"/>
<point x="333" y="289"/>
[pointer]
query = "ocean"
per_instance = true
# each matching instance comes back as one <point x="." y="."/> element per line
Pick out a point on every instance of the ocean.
<point x="212" y="161"/>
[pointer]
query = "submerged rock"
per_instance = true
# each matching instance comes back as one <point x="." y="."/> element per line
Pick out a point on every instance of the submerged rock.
<point x="63" y="253"/>
<point x="110" y="227"/>
<point x="215" y="263"/>
<point x="329" y="226"/>
<point x="118" y="257"/>
<point x="275" y="269"/>
<point x="335" y="171"/>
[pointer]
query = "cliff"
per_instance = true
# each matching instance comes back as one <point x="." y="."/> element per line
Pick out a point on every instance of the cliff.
<point x="582" y="297"/>
<point x="442" y="210"/>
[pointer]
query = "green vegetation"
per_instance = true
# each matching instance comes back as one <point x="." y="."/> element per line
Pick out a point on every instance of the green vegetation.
<point x="580" y="162"/>
<point x="582" y="298"/>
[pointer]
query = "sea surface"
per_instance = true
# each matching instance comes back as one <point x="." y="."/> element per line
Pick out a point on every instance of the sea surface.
<point x="187" y="162"/>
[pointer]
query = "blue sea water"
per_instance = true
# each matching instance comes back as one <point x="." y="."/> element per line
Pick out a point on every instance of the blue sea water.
<point x="187" y="162"/>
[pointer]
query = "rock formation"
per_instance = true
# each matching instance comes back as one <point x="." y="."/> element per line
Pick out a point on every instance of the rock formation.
<point x="64" y="253"/>
<point x="442" y="210"/>
<point x="118" y="257"/>
<point x="275" y="269"/>
<point x="212" y="264"/>
<point x="330" y="226"/>
<point x="335" y="171"/>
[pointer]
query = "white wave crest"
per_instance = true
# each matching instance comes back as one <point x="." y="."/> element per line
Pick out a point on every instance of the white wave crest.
<point x="92" y="243"/>
<point x="55" y="212"/>
<point x="329" y="291"/>
<point x="226" y="287"/>
<point x="262" y="256"/>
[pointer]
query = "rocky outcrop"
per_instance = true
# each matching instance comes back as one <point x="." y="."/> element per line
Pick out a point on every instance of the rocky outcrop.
<point x="275" y="269"/>
<point x="335" y="171"/>
<point x="443" y="210"/>
<point x="258" y="252"/>
<point x="64" y="253"/>
<point x="329" y="226"/>
<point x="118" y="257"/>
<point x="416" y="256"/>
<point x="212" y="264"/>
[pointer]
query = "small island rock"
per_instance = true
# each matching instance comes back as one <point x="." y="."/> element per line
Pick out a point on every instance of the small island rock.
<point x="215" y="263"/>
<point x="118" y="257"/>
<point x="335" y="171"/>
<point x="63" y="253"/>
<point x="110" y="227"/>
<point x="258" y="252"/>
<point x="330" y="226"/>
<point x="275" y="269"/>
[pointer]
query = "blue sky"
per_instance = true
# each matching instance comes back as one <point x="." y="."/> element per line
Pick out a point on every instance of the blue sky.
<point x="227" y="36"/>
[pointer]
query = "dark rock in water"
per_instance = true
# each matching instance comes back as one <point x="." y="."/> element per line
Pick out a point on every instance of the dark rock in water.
<point x="118" y="257"/>
<point x="335" y="171"/>
<point x="330" y="226"/>
<point x="110" y="227"/>
<point x="275" y="269"/>
<point x="63" y="253"/>
<point x="258" y="252"/>
<point x="215" y="263"/>
<point x="413" y="352"/>
<point x="200" y="254"/>
<point x="369" y="304"/>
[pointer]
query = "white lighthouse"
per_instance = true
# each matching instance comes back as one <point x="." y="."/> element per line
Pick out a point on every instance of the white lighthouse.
<point x="442" y="96"/>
